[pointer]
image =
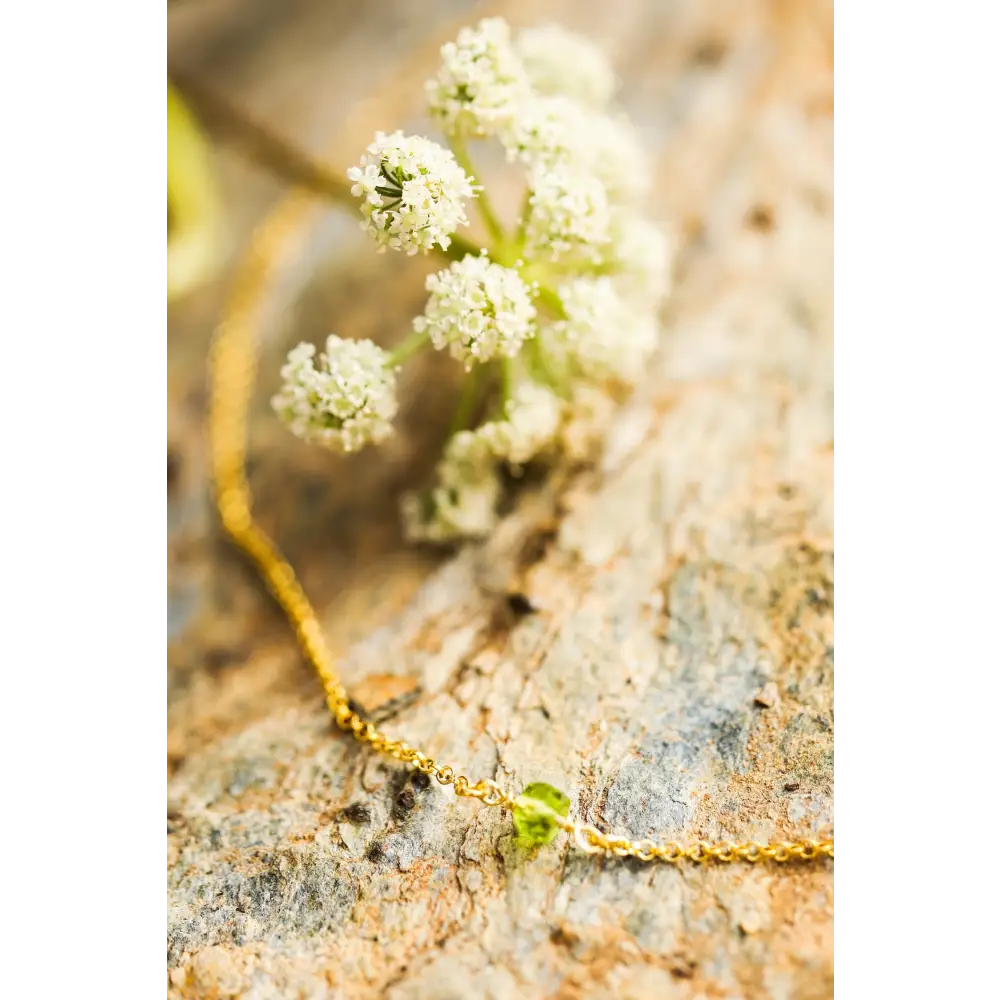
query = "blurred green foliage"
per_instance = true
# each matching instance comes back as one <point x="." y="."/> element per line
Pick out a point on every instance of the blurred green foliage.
<point x="193" y="244"/>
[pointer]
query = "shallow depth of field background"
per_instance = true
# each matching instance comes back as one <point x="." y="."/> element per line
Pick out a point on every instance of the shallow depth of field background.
<point x="703" y="545"/>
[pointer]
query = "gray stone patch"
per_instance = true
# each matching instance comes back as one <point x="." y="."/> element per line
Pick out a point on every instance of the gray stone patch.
<point x="297" y="895"/>
<point x="649" y="794"/>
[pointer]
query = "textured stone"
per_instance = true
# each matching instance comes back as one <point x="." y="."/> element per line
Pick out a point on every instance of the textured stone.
<point x="666" y="590"/>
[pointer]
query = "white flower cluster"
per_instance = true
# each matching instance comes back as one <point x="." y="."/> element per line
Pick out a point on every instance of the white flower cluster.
<point x="463" y="502"/>
<point x="531" y="421"/>
<point x="568" y="215"/>
<point x="481" y="82"/>
<point x="559" y="313"/>
<point x="545" y="132"/>
<point x="343" y="399"/>
<point x="414" y="192"/>
<point x="603" y="336"/>
<point x="559" y="62"/>
<point x="478" y="310"/>
<point x="550" y="131"/>
<point x="545" y="94"/>
<point x="641" y="256"/>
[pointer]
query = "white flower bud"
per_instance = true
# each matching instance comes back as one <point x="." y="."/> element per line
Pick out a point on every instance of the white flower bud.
<point x="480" y="83"/>
<point x="463" y="503"/>
<point x="561" y="62"/>
<point x="568" y="214"/>
<point x="344" y="400"/>
<point x="479" y="310"/>
<point x="548" y="132"/>
<point x="613" y="152"/>
<point x="531" y="419"/>
<point x="603" y="335"/>
<point x="544" y="131"/>
<point x="413" y="191"/>
<point x="641" y="254"/>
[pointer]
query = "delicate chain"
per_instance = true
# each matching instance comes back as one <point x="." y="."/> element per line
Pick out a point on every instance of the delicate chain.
<point x="234" y="364"/>
<point x="588" y="838"/>
<point x="233" y="369"/>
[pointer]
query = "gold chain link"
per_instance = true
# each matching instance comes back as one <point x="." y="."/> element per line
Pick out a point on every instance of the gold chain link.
<point x="233" y="370"/>
<point x="590" y="840"/>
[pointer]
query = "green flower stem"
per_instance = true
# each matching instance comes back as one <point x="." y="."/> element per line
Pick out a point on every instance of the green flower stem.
<point x="541" y="369"/>
<point x="468" y="400"/>
<point x="485" y="206"/>
<point x="507" y="379"/>
<point x="413" y="343"/>
<point x="522" y="226"/>
<point x="540" y="275"/>
<point x="459" y="248"/>
<point x="550" y="300"/>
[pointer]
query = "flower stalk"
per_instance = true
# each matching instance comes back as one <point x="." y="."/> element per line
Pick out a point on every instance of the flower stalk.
<point x="489" y="216"/>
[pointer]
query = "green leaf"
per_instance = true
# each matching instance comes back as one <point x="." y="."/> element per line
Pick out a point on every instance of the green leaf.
<point x="193" y="245"/>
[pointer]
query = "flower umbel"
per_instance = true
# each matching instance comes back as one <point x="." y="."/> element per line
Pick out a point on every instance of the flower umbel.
<point x="557" y="314"/>
<point x="560" y="62"/>
<point x="603" y="337"/>
<point x="531" y="419"/>
<point x="544" y="132"/>
<point x="641" y="256"/>
<point x="553" y="132"/>
<point x="568" y="214"/>
<point x="478" y="310"/>
<point x="414" y="192"/>
<point x="343" y="399"/>
<point x="463" y="502"/>
<point x="480" y="83"/>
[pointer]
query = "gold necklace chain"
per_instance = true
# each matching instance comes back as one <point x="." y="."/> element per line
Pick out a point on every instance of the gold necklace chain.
<point x="233" y="371"/>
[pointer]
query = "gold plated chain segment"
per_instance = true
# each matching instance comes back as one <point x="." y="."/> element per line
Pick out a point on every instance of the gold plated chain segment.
<point x="233" y="372"/>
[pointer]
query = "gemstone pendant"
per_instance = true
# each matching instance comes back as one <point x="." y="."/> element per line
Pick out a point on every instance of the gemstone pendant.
<point x="535" y="810"/>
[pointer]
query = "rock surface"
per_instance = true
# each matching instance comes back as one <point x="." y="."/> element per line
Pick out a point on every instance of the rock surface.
<point x="655" y="637"/>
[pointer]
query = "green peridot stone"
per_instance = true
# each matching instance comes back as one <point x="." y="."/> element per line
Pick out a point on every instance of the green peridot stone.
<point x="535" y="810"/>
